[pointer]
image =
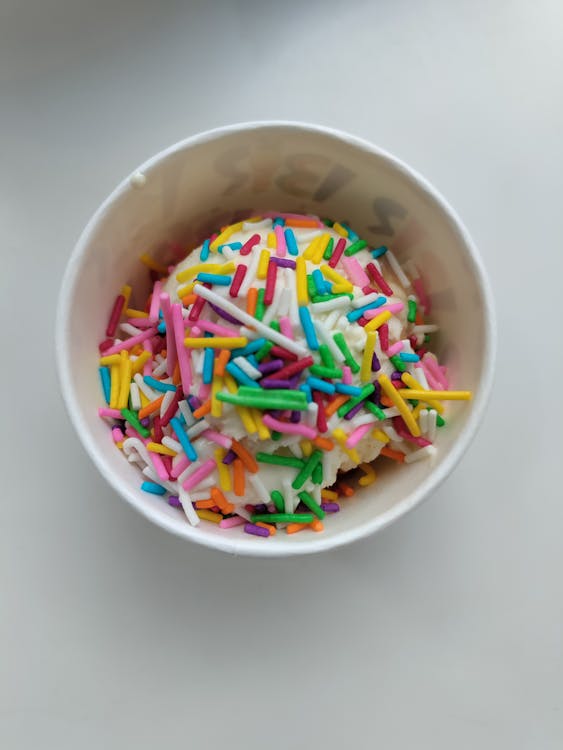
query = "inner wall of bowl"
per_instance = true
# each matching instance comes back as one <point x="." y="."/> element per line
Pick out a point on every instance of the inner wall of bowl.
<point x="197" y="187"/>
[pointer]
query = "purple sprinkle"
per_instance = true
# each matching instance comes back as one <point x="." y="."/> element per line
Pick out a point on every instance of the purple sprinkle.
<point x="229" y="458"/>
<point x="330" y="507"/>
<point x="375" y="397"/>
<point x="294" y="381"/>
<point x="251" y="528"/>
<point x="261" y="508"/>
<point x="224" y="315"/>
<point x="396" y="375"/>
<point x="271" y="383"/>
<point x="145" y="422"/>
<point x="295" y="417"/>
<point x="268" y="367"/>
<point x="174" y="501"/>
<point x="352" y="413"/>
<point x="275" y="413"/>
<point x="193" y="402"/>
<point x="285" y="262"/>
<point x="375" y="366"/>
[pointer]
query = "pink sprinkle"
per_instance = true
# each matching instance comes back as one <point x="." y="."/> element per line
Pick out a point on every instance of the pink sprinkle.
<point x="275" y="215"/>
<point x="130" y="343"/>
<point x="402" y="430"/>
<point x="207" y="325"/>
<point x="289" y="428"/>
<point x="393" y="307"/>
<point x="196" y="330"/>
<point x="183" y="354"/>
<point x="204" y="391"/>
<point x="140" y="322"/>
<point x="281" y="247"/>
<point x="147" y="367"/>
<point x="423" y="298"/>
<point x="429" y="363"/>
<point x="228" y="523"/>
<point x="181" y="465"/>
<point x="117" y="434"/>
<point x="347" y="378"/>
<point x="249" y="244"/>
<point x="355" y="272"/>
<point x="356" y="435"/>
<point x="159" y="466"/>
<point x="216" y="437"/>
<point x="395" y="348"/>
<point x="285" y="327"/>
<point x="199" y="474"/>
<point x="155" y="302"/>
<point x="112" y="413"/>
<point x="171" y="356"/>
<point x="132" y="432"/>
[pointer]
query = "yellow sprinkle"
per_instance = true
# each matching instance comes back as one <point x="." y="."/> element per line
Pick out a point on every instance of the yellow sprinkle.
<point x="162" y="449"/>
<point x="301" y="276"/>
<point x="223" y="469"/>
<point x="342" y="437"/>
<point x="310" y="251"/>
<point x="140" y="362"/>
<point x="189" y="273"/>
<point x="153" y="265"/>
<point x="365" y="369"/>
<point x="246" y="419"/>
<point x="126" y="292"/>
<point x="208" y="515"/>
<point x="114" y="389"/>
<point x="320" y="249"/>
<point x="416" y="411"/>
<point x="306" y="447"/>
<point x="144" y="399"/>
<point x="110" y="359"/>
<point x="219" y="342"/>
<point x="183" y="291"/>
<point x="339" y="229"/>
<point x="230" y="382"/>
<point x="271" y="240"/>
<point x="379" y="320"/>
<point x="263" y="263"/>
<point x="329" y="495"/>
<point x="390" y="391"/>
<point x="263" y="432"/>
<point x="120" y="445"/>
<point x="131" y="313"/>
<point x="124" y="380"/>
<point x="343" y="284"/>
<point x="369" y="475"/>
<point x="216" y="405"/>
<point x="225" y="234"/>
<point x="412" y="382"/>
<point x="440" y="395"/>
<point x="381" y="436"/>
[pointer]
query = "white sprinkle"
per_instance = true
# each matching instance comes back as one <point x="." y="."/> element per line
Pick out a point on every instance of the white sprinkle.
<point x="130" y="329"/>
<point x="331" y="319"/>
<point x="426" y="328"/>
<point x="160" y="369"/>
<point x="135" y="397"/>
<point x="247" y="368"/>
<point x="305" y="236"/>
<point x="338" y="303"/>
<point x="259" y="488"/>
<point x="420" y="375"/>
<point x="250" y="277"/>
<point x="391" y="411"/>
<point x="432" y="414"/>
<point x="325" y="335"/>
<point x="174" y="445"/>
<point x="166" y="401"/>
<point x="296" y="449"/>
<point x="312" y="412"/>
<point x="391" y="434"/>
<point x="365" y="300"/>
<point x="199" y="495"/>
<point x="151" y="474"/>
<point x="241" y="511"/>
<point x="253" y="226"/>
<point x="293" y="310"/>
<point x="398" y="271"/>
<point x="137" y="180"/>
<point x="423" y="421"/>
<point x="197" y="428"/>
<point x="186" y="412"/>
<point x="198" y="356"/>
<point x="429" y="451"/>
<point x="361" y="419"/>
<point x="279" y="304"/>
<point x="288" y="495"/>
<point x="189" y="510"/>
<point x="143" y="387"/>
<point x="228" y="253"/>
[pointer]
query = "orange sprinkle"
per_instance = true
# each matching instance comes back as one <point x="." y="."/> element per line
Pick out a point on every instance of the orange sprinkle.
<point x="221" y="361"/>
<point x="251" y="300"/>
<point x="203" y="410"/>
<point x="201" y="504"/>
<point x="248" y="460"/>
<point x="302" y="223"/>
<point x="345" y="489"/>
<point x="293" y="528"/>
<point x="390" y="453"/>
<point x="221" y="501"/>
<point x="137" y="350"/>
<point x="323" y="443"/>
<point x="335" y="404"/>
<point x="386" y="401"/>
<point x="271" y="529"/>
<point x="189" y="299"/>
<point x="238" y="477"/>
<point x="317" y="525"/>
<point x="151" y="407"/>
<point x="176" y="374"/>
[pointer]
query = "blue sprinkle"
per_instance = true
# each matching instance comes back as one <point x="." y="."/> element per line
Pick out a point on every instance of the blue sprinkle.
<point x="250" y="348"/>
<point x="307" y="391"/>
<point x="320" y="385"/>
<point x="240" y="376"/>
<point x="308" y="328"/>
<point x="352" y="236"/>
<point x="232" y="245"/>
<point x="278" y="222"/>
<point x="161" y="327"/>
<point x="320" y="282"/>
<point x="379" y="251"/>
<point x="253" y="361"/>
<point x="183" y="439"/>
<point x="214" y="278"/>
<point x="106" y="382"/>
<point x="291" y="242"/>
<point x="347" y="390"/>
<point x="408" y="357"/>
<point x="153" y="488"/>
<point x="204" y="254"/>
<point x="158" y="385"/>
<point x="358" y="312"/>
<point x="208" y="362"/>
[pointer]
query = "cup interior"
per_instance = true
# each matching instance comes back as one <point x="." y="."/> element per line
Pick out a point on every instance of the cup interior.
<point x="222" y="176"/>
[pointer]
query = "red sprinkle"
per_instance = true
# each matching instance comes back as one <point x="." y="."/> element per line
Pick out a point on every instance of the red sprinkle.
<point x="384" y="336"/>
<point x="197" y="307"/>
<point x="292" y="369"/>
<point x="169" y="413"/>
<point x="378" y="279"/>
<point x="238" y="278"/>
<point x="105" y="345"/>
<point x="270" y="283"/>
<point x="322" y="425"/>
<point x="337" y="252"/>
<point x="115" y="315"/>
<point x="249" y="244"/>
<point x="278" y="351"/>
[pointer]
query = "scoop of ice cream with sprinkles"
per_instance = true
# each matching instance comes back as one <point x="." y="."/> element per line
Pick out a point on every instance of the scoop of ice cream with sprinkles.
<point x="269" y="370"/>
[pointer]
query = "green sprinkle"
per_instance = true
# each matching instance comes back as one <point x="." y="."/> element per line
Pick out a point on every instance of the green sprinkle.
<point x="328" y="222"/>
<point x="311" y="503"/>
<point x="440" y="421"/>
<point x="318" y="474"/>
<point x="271" y="458"/>
<point x="398" y="363"/>
<point x="311" y="286"/>
<point x="327" y="297"/>
<point x="374" y="408"/>
<point x="261" y="399"/>
<point x="326" y="356"/>
<point x="275" y="326"/>
<point x="293" y="397"/>
<point x="260" y="306"/>
<point x="325" y="372"/>
<point x="411" y="315"/>
<point x="133" y="419"/>
<point x="327" y="255"/>
<point x="278" y="500"/>
<point x="282" y="517"/>
<point x="263" y="351"/>
<point x="426" y="338"/>
<point x="348" y="358"/>
<point x="276" y="435"/>
<point x="307" y="470"/>
<point x="355" y="247"/>
<point x="367" y="390"/>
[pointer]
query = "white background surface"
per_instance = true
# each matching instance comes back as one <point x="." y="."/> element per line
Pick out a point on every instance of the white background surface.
<point x="445" y="631"/>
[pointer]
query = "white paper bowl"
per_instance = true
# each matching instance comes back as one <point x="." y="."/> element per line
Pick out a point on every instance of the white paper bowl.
<point x="185" y="192"/>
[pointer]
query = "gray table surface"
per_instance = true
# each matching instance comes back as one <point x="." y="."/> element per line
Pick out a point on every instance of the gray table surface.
<point x="445" y="631"/>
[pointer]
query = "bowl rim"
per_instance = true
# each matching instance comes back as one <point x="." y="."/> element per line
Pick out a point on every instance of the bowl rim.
<point x="316" y="542"/>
